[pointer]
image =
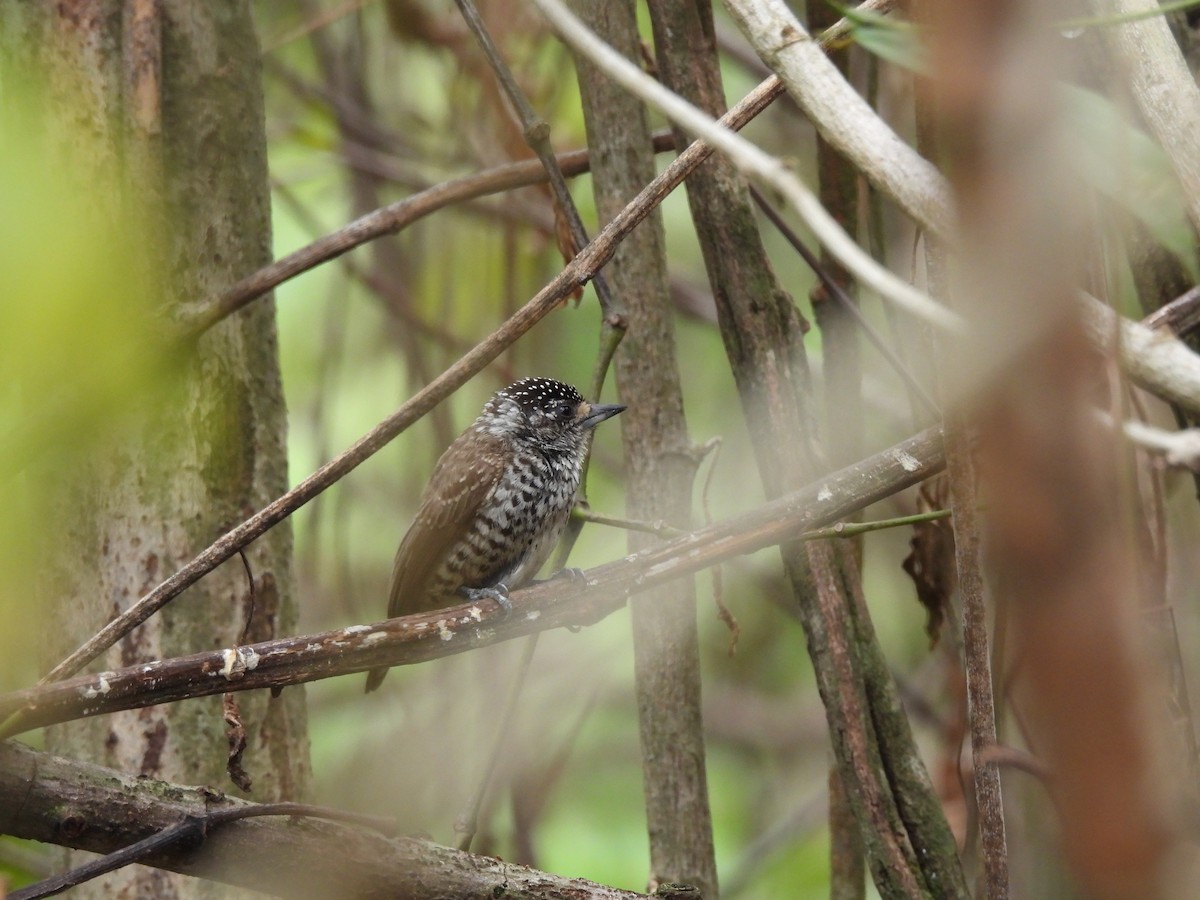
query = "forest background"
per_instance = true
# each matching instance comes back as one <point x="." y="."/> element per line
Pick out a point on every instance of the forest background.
<point x="370" y="103"/>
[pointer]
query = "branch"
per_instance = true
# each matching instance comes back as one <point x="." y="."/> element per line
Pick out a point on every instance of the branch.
<point x="1167" y="369"/>
<point x="752" y="162"/>
<point x="1177" y="448"/>
<point x="536" y="131"/>
<point x="88" y="807"/>
<point x="413" y="639"/>
<point x="578" y="271"/>
<point x="843" y="117"/>
<point x="660" y="472"/>
<point x="1153" y="359"/>
<point x="1181" y="316"/>
<point x="189" y="831"/>
<point x="1165" y="91"/>
<point x="658" y="527"/>
<point x="977" y="658"/>
<point x="384" y="221"/>
<point x="847" y="302"/>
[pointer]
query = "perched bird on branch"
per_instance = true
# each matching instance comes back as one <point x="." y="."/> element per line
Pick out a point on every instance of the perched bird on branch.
<point x="497" y="501"/>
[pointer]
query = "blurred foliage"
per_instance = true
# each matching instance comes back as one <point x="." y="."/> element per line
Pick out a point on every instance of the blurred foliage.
<point x="1122" y="163"/>
<point x="82" y="349"/>
<point x="80" y="346"/>
<point x="892" y="40"/>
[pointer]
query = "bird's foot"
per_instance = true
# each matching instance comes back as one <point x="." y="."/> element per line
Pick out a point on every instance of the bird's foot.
<point x="499" y="594"/>
<point x="574" y="574"/>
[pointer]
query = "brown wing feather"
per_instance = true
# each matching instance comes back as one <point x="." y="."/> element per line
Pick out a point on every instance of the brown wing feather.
<point x="462" y="478"/>
<point x="464" y="475"/>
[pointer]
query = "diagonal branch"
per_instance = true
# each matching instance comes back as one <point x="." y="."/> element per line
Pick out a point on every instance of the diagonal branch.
<point x="537" y="135"/>
<point x="1163" y="365"/>
<point x="1166" y="368"/>
<point x="843" y="117"/>
<point x="381" y="222"/>
<point x="752" y="162"/>
<point x="413" y="639"/>
<point x="577" y="272"/>
<point x="1165" y="91"/>
<point x="846" y="301"/>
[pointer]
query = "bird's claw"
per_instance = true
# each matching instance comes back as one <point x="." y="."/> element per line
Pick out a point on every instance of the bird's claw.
<point x="499" y="594"/>
<point x="576" y="575"/>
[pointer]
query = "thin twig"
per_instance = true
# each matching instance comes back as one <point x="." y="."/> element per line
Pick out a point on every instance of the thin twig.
<point x="846" y="301"/>
<point x="1011" y="758"/>
<point x="658" y="528"/>
<point x="1177" y="448"/>
<point x="1181" y="316"/>
<point x="853" y="529"/>
<point x="838" y="530"/>
<point x="380" y="223"/>
<point x="467" y="822"/>
<point x="537" y="134"/>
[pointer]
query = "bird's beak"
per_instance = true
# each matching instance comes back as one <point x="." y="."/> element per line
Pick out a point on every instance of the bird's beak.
<point x="594" y="414"/>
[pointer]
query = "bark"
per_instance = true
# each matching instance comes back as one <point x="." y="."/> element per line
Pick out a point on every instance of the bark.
<point x="173" y="93"/>
<point x="661" y="467"/>
<point x="843" y="422"/>
<point x="908" y="845"/>
<point x="77" y="804"/>
<point x="840" y="352"/>
<point x="841" y="114"/>
<point x="968" y="560"/>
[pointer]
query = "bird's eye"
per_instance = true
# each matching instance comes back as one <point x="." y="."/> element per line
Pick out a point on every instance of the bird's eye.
<point x="565" y="411"/>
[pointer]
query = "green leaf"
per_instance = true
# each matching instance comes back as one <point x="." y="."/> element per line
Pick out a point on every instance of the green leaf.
<point x="1124" y="164"/>
<point x="890" y="39"/>
<point x="1103" y="21"/>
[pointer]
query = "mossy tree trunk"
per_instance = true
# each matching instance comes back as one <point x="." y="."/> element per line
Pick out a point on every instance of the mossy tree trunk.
<point x="167" y="97"/>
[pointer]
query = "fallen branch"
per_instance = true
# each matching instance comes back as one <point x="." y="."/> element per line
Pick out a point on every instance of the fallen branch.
<point x="190" y="831"/>
<point x="88" y="807"/>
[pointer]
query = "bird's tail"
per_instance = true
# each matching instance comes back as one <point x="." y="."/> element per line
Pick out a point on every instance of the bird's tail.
<point x="374" y="679"/>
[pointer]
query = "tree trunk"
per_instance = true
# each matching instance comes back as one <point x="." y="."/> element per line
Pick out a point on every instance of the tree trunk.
<point x="169" y="96"/>
<point x="662" y="467"/>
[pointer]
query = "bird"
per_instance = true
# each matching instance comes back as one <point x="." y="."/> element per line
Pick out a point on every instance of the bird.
<point x="497" y="501"/>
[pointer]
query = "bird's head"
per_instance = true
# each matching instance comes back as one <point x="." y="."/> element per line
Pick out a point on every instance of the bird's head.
<point x="543" y="413"/>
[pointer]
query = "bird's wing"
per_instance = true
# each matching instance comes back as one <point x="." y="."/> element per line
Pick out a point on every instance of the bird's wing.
<point x="462" y="479"/>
